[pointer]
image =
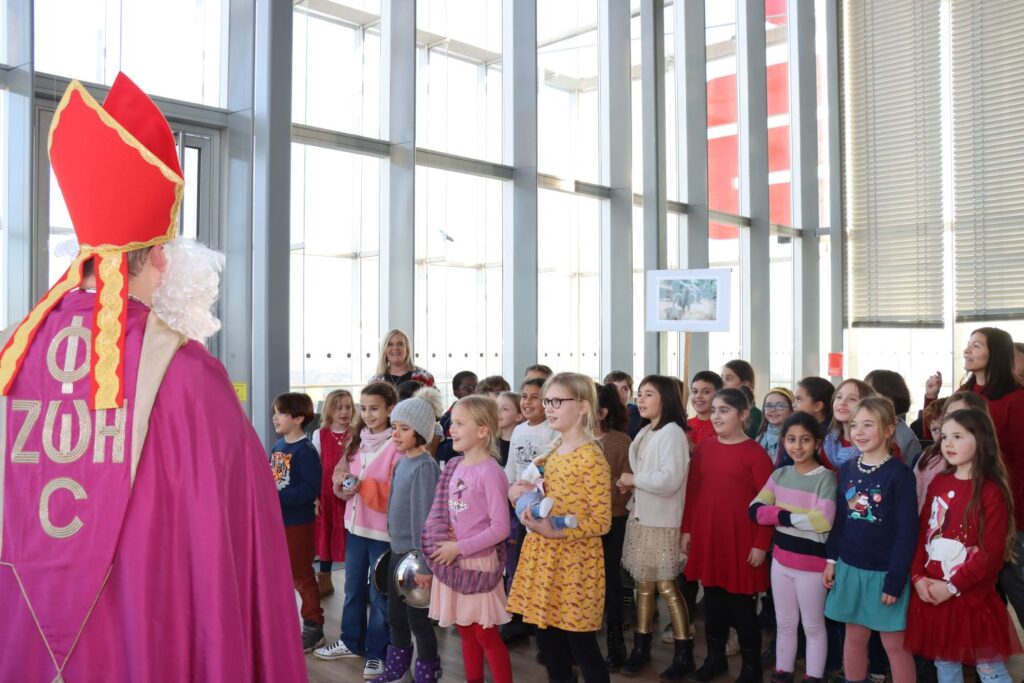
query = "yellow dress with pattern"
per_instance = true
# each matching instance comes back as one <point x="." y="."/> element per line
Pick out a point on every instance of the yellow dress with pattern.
<point x="560" y="581"/>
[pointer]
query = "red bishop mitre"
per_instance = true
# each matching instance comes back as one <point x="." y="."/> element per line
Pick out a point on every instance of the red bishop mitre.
<point x="117" y="166"/>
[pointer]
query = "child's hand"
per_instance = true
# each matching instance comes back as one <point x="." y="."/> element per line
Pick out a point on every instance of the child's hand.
<point x="446" y="553"/>
<point x="888" y="600"/>
<point x="939" y="592"/>
<point x="423" y="580"/>
<point x="933" y="385"/>
<point x="921" y="586"/>
<point x="684" y="545"/>
<point x="517" y="489"/>
<point x="756" y="557"/>
<point x="541" y="526"/>
<point x="316" y="507"/>
<point x="626" y="482"/>
<point x="828" y="576"/>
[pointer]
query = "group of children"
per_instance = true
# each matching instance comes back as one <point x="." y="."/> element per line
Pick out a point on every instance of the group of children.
<point x="822" y="499"/>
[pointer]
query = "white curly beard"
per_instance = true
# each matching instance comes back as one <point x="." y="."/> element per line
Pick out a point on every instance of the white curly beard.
<point x="189" y="289"/>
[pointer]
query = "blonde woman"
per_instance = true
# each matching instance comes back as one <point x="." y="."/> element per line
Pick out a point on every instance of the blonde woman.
<point x="395" y="365"/>
<point x="559" y="584"/>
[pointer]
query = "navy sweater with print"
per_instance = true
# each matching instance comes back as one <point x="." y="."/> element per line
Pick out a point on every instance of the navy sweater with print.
<point x="296" y="469"/>
<point x="876" y="521"/>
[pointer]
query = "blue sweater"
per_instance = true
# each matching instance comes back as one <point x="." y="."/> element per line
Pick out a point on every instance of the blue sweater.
<point x="296" y="468"/>
<point x="876" y="521"/>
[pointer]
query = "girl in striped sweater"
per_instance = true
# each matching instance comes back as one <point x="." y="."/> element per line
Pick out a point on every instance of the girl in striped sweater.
<point x="799" y="500"/>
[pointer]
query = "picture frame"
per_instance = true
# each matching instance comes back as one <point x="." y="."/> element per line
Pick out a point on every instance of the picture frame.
<point x="688" y="300"/>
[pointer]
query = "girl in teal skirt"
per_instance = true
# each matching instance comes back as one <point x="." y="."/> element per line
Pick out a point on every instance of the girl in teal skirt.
<point x="872" y="543"/>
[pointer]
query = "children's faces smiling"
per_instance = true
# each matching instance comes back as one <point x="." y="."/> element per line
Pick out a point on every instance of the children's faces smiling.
<point x="466" y="434"/>
<point x="868" y="434"/>
<point x="529" y="402"/>
<point x="404" y="436"/>
<point x="374" y="412"/>
<point x="727" y="421"/>
<point x="800" y="444"/>
<point x="730" y="380"/>
<point x="845" y="399"/>
<point x="342" y="416"/>
<point x="776" y="409"/>
<point x="701" y="394"/>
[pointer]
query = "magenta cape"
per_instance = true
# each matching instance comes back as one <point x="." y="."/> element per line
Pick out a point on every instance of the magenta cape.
<point x="135" y="555"/>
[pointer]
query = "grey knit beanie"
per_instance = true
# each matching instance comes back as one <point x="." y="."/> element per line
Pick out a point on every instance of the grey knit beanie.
<point x="418" y="414"/>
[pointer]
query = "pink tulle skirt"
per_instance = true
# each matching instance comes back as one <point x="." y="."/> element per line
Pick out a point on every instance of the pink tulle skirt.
<point x="487" y="609"/>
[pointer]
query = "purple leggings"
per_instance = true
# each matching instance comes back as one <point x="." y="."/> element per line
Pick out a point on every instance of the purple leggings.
<point x="799" y="596"/>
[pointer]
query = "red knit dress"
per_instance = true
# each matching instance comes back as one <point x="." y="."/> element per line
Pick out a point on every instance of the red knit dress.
<point x="723" y="479"/>
<point x="975" y="626"/>
<point x="330" y="525"/>
<point x="700" y="430"/>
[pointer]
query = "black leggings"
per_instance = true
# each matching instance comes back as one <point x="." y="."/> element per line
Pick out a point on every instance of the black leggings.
<point x="723" y="609"/>
<point x="561" y="648"/>
<point x="612" y="543"/>
<point x="404" y="621"/>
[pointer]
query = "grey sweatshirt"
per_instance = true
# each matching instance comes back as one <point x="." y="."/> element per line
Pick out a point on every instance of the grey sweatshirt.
<point x="412" y="494"/>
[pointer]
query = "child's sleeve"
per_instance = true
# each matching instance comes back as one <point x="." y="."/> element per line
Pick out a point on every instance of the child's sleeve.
<point x="832" y="544"/>
<point x="693" y="479"/>
<point x="905" y="537"/>
<point x="672" y="459"/>
<point x="920" y="555"/>
<point x="763" y="509"/>
<point x="596" y="520"/>
<point x="421" y="500"/>
<point x="305" y="483"/>
<point x="760" y="471"/>
<point x="315" y="440"/>
<point x="985" y="565"/>
<point x="495" y="493"/>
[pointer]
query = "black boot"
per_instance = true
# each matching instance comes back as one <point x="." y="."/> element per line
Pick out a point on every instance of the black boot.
<point x="714" y="664"/>
<point x="616" y="648"/>
<point x="640" y="655"/>
<point x="787" y="677"/>
<point x="682" y="662"/>
<point x="751" y="672"/>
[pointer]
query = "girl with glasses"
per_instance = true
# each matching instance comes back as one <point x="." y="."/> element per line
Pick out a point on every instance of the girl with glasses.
<point x="777" y="406"/>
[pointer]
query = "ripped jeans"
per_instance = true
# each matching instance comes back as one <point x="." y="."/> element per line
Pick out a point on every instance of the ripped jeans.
<point x="953" y="672"/>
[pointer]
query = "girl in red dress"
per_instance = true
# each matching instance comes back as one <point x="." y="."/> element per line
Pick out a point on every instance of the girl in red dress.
<point x="726" y="550"/>
<point x="955" y="614"/>
<point x="330" y="441"/>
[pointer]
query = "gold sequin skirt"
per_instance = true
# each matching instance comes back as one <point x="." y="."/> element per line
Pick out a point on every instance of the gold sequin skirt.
<point x="650" y="553"/>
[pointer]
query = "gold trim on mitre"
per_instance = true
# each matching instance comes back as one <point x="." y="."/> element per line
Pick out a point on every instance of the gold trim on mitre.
<point x="131" y="141"/>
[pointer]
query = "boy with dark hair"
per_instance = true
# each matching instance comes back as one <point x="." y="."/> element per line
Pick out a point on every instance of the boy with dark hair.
<point x="296" y="468"/>
<point x="623" y="383"/>
<point x="493" y="386"/>
<point x="463" y="384"/>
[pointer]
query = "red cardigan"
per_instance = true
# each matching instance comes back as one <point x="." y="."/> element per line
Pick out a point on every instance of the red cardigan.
<point x="1008" y="417"/>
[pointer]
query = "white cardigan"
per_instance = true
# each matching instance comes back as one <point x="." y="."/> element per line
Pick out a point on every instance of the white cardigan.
<point x="659" y="477"/>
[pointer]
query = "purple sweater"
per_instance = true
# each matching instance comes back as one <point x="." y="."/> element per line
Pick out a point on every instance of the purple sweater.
<point x="478" y="507"/>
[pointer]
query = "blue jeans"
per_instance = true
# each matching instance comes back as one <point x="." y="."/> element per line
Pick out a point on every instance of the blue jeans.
<point x="367" y="640"/>
<point x="953" y="672"/>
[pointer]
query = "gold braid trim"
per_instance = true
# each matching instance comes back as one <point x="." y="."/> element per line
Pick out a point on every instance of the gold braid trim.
<point x="19" y="341"/>
<point x="108" y="329"/>
<point x="131" y="141"/>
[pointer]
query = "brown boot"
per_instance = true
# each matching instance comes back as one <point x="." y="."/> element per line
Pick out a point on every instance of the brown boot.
<point x="323" y="582"/>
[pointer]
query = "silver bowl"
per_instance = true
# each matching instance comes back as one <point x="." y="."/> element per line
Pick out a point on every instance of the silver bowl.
<point x="412" y="563"/>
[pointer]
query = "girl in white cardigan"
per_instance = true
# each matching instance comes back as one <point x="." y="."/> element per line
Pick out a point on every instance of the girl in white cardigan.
<point x="659" y="457"/>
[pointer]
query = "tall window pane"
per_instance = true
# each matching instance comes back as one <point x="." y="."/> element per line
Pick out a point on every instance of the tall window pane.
<point x="777" y="60"/>
<point x="172" y="49"/>
<point x="336" y="67"/>
<point x="725" y="253"/>
<point x="458" y="103"/>
<point x="567" y="100"/>
<point x="334" y="291"/>
<point x="723" y="149"/>
<point x="780" y="270"/>
<point x="4" y="163"/>
<point x="458" y="274"/>
<point x="569" y="292"/>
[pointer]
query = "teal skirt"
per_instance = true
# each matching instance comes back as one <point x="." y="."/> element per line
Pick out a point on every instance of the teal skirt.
<point x="856" y="598"/>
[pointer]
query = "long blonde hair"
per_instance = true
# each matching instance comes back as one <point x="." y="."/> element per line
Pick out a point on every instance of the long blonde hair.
<point x="581" y="388"/>
<point x="331" y="402"/>
<point x="382" y="364"/>
<point x="483" y="411"/>
<point x="884" y="412"/>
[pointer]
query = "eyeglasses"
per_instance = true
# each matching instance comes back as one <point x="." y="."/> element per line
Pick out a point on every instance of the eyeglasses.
<point x="776" y="406"/>
<point x="555" y="403"/>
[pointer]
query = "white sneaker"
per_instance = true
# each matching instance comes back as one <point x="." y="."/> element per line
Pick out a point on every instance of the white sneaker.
<point x="335" y="650"/>
<point x="373" y="668"/>
<point x="732" y="646"/>
<point x="668" y="635"/>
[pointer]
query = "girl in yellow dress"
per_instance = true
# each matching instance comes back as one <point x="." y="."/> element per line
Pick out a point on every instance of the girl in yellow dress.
<point x="559" y="585"/>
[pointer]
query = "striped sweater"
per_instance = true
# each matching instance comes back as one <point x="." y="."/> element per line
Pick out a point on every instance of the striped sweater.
<point x="801" y="507"/>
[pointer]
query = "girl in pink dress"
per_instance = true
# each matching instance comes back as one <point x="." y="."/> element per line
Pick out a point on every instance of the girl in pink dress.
<point x="464" y="539"/>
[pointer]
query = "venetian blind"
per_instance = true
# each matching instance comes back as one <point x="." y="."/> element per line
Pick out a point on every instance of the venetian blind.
<point x="893" y="162"/>
<point x="988" y="157"/>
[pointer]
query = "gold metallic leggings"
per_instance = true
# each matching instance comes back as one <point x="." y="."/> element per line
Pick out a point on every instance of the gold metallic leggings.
<point x="646" y="594"/>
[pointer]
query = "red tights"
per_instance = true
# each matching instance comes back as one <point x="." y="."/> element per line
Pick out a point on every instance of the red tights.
<point x="479" y="642"/>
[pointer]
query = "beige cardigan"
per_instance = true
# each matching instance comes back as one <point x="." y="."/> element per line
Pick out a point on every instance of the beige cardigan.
<point x="659" y="476"/>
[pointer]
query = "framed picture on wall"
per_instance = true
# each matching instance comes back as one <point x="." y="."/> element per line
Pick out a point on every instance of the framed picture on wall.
<point x="688" y="300"/>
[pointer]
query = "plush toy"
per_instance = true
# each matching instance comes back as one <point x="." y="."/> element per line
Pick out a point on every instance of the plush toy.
<point x="539" y="504"/>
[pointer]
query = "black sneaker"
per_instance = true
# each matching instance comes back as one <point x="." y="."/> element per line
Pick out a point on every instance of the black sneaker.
<point x="312" y="636"/>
